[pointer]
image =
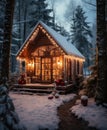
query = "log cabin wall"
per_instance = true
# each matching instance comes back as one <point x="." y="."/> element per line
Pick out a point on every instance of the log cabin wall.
<point x="72" y="67"/>
<point x="41" y="51"/>
<point x="68" y="69"/>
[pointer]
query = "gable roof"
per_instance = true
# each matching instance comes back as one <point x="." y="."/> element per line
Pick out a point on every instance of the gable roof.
<point x="68" y="47"/>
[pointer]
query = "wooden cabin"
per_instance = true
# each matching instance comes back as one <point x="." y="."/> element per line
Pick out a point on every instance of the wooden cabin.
<point x="47" y="56"/>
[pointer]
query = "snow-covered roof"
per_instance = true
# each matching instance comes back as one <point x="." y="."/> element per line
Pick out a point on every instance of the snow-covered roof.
<point x="68" y="47"/>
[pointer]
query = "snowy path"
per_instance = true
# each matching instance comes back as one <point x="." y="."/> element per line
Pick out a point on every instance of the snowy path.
<point x="37" y="112"/>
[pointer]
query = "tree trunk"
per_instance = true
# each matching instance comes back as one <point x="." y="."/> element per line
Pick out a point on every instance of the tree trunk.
<point x="9" y="9"/>
<point x="101" y="88"/>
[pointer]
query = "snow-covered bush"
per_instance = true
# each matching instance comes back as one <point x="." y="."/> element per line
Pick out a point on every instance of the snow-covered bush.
<point x="89" y="83"/>
<point x="78" y="81"/>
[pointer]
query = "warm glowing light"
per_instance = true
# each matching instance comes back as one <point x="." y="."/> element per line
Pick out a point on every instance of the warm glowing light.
<point x="17" y="58"/>
<point x="40" y="27"/>
<point x="75" y="58"/>
<point x="59" y="63"/>
<point x="30" y="64"/>
<point x="43" y="30"/>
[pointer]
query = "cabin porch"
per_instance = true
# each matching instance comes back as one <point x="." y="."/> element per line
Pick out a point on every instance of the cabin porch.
<point x="42" y="88"/>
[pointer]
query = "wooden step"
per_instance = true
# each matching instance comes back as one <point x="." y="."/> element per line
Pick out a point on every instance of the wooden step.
<point x="34" y="86"/>
<point x="32" y="90"/>
<point x="41" y="88"/>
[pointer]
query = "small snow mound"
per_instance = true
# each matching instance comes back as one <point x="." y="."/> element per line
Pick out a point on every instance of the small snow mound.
<point x="84" y="97"/>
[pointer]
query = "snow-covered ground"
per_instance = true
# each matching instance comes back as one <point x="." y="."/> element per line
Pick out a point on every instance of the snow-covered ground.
<point x="95" y="115"/>
<point x="37" y="112"/>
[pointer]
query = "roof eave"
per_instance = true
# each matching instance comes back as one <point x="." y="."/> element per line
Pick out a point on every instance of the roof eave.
<point x="27" y="39"/>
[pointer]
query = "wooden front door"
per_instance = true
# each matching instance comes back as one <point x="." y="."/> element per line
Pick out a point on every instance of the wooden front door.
<point x="46" y="69"/>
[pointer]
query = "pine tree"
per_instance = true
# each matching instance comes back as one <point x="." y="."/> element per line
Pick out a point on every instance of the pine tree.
<point x="40" y="12"/>
<point x="63" y="32"/>
<point x="9" y="119"/>
<point x="80" y="33"/>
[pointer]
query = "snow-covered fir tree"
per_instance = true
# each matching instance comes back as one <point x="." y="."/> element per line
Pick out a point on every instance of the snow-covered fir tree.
<point x="40" y="11"/>
<point x="81" y="33"/>
<point x="63" y="32"/>
<point x="9" y="119"/>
